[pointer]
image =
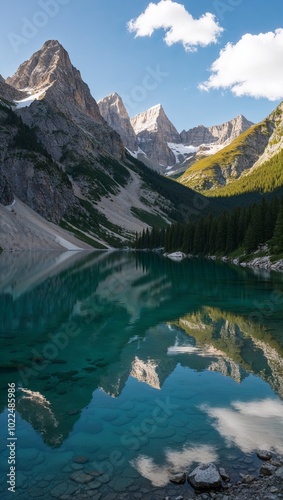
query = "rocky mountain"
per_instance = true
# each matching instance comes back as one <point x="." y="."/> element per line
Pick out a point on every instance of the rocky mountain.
<point x="154" y="131"/>
<point x="50" y="79"/>
<point x="115" y="114"/>
<point x="164" y="146"/>
<point x="250" y="163"/>
<point x="157" y="142"/>
<point x="60" y="157"/>
<point x="217" y="134"/>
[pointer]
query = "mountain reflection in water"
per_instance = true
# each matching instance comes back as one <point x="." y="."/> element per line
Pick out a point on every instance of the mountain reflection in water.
<point x="94" y="341"/>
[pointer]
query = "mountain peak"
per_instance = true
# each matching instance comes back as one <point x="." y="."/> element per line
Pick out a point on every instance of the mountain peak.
<point x="152" y="120"/>
<point x="156" y="107"/>
<point x="43" y="68"/>
<point x="50" y="75"/>
<point x="52" y="44"/>
<point x="154" y="131"/>
<point x="115" y="114"/>
<point x="113" y="100"/>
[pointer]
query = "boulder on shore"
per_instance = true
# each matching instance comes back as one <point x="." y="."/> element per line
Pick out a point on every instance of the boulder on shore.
<point x="176" y="255"/>
<point x="205" y="477"/>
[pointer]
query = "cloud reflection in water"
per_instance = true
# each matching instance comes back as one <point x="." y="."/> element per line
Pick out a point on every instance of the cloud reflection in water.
<point x="250" y="426"/>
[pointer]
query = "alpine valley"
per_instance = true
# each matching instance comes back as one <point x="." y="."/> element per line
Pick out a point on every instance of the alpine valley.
<point x="129" y="371"/>
<point x="76" y="174"/>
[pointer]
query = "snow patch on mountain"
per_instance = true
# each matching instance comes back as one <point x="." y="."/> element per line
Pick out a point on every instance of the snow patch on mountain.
<point x="181" y="150"/>
<point x="25" y="103"/>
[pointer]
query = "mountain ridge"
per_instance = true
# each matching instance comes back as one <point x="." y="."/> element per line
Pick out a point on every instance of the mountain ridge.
<point x="243" y="165"/>
<point x="160" y="145"/>
<point x="218" y="134"/>
<point x="62" y="159"/>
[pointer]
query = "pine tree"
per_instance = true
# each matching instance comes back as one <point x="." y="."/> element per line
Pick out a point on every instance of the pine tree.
<point x="221" y="235"/>
<point x="277" y="240"/>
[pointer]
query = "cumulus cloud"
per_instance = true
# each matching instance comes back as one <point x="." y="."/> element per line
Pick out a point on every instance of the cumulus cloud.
<point x="179" y="24"/>
<point x="252" y="67"/>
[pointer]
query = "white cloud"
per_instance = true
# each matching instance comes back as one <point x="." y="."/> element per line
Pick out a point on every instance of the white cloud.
<point x="179" y="24"/>
<point x="252" y="67"/>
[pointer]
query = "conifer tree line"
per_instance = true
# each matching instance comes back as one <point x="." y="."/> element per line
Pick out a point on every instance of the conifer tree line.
<point x="243" y="228"/>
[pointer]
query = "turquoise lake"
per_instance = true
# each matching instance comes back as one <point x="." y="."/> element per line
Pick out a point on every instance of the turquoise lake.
<point x="129" y="366"/>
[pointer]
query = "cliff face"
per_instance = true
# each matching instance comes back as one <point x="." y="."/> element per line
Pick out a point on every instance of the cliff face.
<point x="115" y="114"/>
<point x="28" y="172"/>
<point x="62" y="159"/>
<point x="163" y="145"/>
<point x="9" y="93"/>
<point x="62" y="105"/>
<point x="6" y="193"/>
<point x="154" y="131"/>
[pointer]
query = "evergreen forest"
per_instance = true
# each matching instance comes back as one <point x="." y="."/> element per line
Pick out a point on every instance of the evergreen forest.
<point x="243" y="230"/>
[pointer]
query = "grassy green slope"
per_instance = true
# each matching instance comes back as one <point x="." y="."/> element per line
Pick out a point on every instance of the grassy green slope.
<point x="265" y="178"/>
<point x="206" y="175"/>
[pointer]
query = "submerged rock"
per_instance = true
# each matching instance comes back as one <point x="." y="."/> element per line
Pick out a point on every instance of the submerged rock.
<point x="80" y="460"/>
<point x="81" y="477"/>
<point x="264" y="455"/>
<point x="267" y="470"/>
<point x="205" y="477"/>
<point x="178" y="478"/>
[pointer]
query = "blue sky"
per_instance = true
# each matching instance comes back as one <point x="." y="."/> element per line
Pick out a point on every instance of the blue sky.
<point x="144" y="68"/>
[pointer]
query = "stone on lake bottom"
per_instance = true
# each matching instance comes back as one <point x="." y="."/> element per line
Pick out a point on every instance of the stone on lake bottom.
<point x="81" y="477"/>
<point x="73" y="412"/>
<point x="178" y="478"/>
<point x="205" y="477"/>
<point x="59" y="490"/>
<point x="76" y="467"/>
<point x="110" y="496"/>
<point x="94" y="485"/>
<point x="80" y="460"/>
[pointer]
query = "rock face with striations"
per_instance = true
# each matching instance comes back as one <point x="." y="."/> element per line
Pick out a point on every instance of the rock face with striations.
<point x="115" y="114"/>
<point x="218" y="134"/>
<point x="154" y="131"/>
<point x="6" y="193"/>
<point x="8" y="92"/>
<point x="61" y="158"/>
<point x="50" y="76"/>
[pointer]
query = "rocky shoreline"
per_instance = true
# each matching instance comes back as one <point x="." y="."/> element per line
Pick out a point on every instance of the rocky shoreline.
<point x="210" y="482"/>
<point x="258" y="262"/>
<point x="263" y="262"/>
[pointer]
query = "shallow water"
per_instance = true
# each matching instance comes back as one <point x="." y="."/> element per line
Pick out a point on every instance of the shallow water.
<point x="139" y="365"/>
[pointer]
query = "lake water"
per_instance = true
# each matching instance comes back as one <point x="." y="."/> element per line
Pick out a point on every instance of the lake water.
<point x="139" y="366"/>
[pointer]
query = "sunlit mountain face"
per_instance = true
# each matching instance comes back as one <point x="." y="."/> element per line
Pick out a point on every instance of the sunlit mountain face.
<point x="134" y="360"/>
